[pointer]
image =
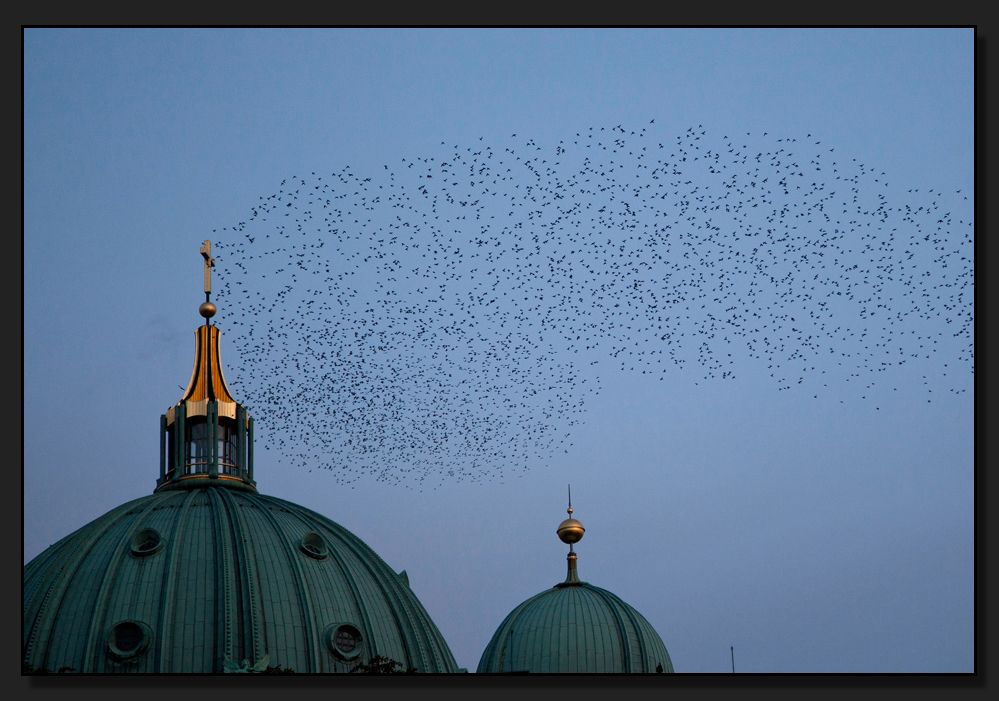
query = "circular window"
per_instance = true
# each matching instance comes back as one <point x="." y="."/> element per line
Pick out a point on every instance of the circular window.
<point x="128" y="640"/>
<point x="147" y="542"/>
<point x="313" y="545"/>
<point x="343" y="641"/>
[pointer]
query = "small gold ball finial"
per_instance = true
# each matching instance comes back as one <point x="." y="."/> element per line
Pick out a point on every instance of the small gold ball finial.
<point x="570" y="531"/>
<point x="207" y="310"/>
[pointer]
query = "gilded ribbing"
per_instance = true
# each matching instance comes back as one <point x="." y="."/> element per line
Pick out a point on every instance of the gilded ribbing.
<point x="207" y="380"/>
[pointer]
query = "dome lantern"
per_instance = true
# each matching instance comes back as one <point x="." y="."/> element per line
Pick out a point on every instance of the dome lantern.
<point x="207" y="437"/>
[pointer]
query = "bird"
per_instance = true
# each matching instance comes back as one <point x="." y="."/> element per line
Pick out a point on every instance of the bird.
<point x="451" y="315"/>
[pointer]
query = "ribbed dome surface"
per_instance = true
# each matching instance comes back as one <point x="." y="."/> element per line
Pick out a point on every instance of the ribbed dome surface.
<point x="575" y="629"/>
<point x="181" y="580"/>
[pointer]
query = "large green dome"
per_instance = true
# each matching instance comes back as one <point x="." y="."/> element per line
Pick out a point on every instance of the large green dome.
<point x="184" y="579"/>
<point x="206" y="574"/>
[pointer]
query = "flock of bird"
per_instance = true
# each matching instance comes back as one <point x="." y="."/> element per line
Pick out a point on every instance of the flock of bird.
<point x="447" y="316"/>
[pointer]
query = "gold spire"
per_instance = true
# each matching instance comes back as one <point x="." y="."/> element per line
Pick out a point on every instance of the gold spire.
<point x="207" y="381"/>
<point x="206" y="438"/>
<point x="570" y="531"/>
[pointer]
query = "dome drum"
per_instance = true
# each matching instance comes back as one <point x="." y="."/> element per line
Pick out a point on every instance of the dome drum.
<point x="210" y="447"/>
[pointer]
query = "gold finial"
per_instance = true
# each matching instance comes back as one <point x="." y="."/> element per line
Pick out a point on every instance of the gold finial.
<point x="570" y="530"/>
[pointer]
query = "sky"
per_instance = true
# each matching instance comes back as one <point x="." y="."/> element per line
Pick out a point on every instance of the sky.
<point x="821" y="526"/>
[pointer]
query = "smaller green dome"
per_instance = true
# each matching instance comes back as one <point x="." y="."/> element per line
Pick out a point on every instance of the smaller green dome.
<point x="575" y="628"/>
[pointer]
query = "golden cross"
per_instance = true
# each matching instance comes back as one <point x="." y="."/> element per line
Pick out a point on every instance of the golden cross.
<point x="206" y="252"/>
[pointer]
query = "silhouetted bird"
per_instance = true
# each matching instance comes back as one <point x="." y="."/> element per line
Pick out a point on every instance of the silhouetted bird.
<point x="449" y="318"/>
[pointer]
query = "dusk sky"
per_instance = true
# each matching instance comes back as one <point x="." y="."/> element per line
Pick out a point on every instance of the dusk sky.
<point x="824" y="525"/>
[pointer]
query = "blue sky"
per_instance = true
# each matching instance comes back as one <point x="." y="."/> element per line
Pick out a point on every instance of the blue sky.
<point x="814" y="531"/>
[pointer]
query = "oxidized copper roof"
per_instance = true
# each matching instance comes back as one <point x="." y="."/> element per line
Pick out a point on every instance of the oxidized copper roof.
<point x="575" y="628"/>
<point x="209" y="575"/>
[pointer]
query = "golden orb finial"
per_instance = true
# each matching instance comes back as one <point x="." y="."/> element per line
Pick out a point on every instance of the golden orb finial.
<point x="207" y="310"/>
<point x="570" y="530"/>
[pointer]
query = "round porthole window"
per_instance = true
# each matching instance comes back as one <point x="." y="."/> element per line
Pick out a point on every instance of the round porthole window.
<point x="128" y="640"/>
<point x="343" y="641"/>
<point x="313" y="545"/>
<point x="147" y="542"/>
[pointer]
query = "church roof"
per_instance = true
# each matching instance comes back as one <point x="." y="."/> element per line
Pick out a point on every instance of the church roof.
<point x="181" y="581"/>
<point x="207" y="575"/>
<point x="575" y="629"/>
